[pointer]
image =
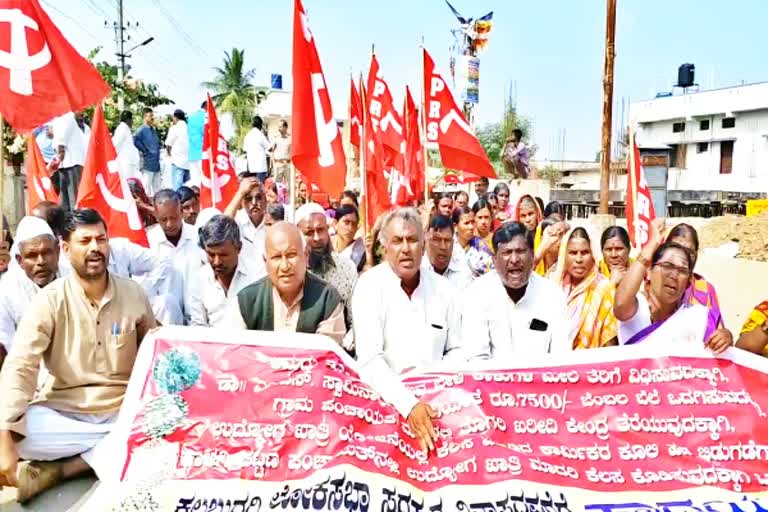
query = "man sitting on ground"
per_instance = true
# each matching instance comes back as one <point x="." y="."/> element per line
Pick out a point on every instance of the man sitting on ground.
<point x="290" y="299"/>
<point x="87" y="328"/>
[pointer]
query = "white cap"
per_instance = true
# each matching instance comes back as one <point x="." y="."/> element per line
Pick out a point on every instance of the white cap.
<point x="306" y="210"/>
<point x="205" y="215"/>
<point x="30" y="227"/>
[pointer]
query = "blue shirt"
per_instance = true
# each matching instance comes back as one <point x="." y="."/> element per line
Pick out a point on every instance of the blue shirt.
<point x="195" y="127"/>
<point x="45" y="144"/>
<point x="147" y="142"/>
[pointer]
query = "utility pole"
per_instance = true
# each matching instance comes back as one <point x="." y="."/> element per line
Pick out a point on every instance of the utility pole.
<point x="610" y="53"/>
<point x="120" y="34"/>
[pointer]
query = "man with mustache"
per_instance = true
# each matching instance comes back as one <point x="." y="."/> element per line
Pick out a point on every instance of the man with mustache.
<point x="324" y="262"/>
<point x="403" y="318"/>
<point x="86" y="328"/>
<point x="439" y="253"/>
<point x="248" y="208"/>
<point x="289" y="299"/>
<point x="37" y="254"/>
<point x="513" y="312"/>
<point x="217" y="284"/>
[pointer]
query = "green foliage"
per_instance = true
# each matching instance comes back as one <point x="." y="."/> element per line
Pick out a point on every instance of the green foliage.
<point x="234" y="93"/>
<point x="493" y="136"/>
<point x="552" y="174"/>
<point x="137" y="94"/>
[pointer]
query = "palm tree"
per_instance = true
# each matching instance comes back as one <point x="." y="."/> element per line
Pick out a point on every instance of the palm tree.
<point x="234" y="93"/>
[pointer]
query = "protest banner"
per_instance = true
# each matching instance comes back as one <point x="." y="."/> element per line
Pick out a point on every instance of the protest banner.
<point x="219" y="420"/>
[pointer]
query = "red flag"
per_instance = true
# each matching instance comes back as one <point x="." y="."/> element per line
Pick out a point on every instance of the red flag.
<point x="446" y="126"/>
<point x="640" y="211"/>
<point x="376" y="198"/>
<point x="412" y="185"/>
<point x="385" y="119"/>
<point x="355" y="115"/>
<point x="460" y="178"/>
<point x="219" y="191"/>
<point x="41" y="75"/>
<point x="104" y="188"/>
<point x="39" y="185"/>
<point x="316" y="148"/>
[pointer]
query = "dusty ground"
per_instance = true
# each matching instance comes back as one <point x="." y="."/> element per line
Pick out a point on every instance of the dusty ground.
<point x="751" y="233"/>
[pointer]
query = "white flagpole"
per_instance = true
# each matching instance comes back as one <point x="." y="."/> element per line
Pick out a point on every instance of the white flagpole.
<point x="423" y="125"/>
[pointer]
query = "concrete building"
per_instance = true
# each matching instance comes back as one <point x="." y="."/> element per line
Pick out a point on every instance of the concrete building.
<point x="717" y="139"/>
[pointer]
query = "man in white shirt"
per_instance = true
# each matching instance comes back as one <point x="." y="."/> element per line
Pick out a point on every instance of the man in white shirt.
<point x="513" y="313"/>
<point x="37" y="254"/>
<point x="174" y="239"/>
<point x="214" y="289"/>
<point x="177" y="145"/>
<point x="248" y="207"/>
<point x="403" y="318"/>
<point x="439" y="253"/>
<point x="70" y="137"/>
<point x="127" y="154"/>
<point x="256" y="146"/>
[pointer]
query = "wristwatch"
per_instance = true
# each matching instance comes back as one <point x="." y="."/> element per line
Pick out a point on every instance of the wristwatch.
<point x="641" y="259"/>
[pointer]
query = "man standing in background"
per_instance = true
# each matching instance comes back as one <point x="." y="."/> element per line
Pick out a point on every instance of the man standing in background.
<point x="195" y="128"/>
<point x="177" y="145"/>
<point x="281" y="157"/>
<point x="127" y="154"/>
<point x="70" y="137"/>
<point x="148" y="143"/>
<point x="256" y="146"/>
<point x="515" y="155"/>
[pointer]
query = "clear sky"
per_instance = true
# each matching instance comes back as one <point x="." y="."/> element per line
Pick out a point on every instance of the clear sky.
<point x="552" y="50"/>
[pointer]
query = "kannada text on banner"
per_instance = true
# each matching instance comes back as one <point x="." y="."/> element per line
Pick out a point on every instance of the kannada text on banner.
<point x="248" y="427"/>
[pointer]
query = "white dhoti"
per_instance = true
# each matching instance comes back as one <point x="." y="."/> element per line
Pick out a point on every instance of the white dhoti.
<point x="55" y="435"/>
<point x="152" y="182"/>
<point x="167" y="309"/>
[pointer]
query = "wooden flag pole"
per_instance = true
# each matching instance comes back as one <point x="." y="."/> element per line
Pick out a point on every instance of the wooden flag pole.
<point x="2" y="175"/>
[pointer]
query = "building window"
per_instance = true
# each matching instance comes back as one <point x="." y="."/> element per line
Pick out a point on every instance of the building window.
<point x="702" y="147"/>
<point x="678" y="127"/>
<point x="729" y="122"/>
<point x="704" y="125"/>
<point x="726" y="157"/>
<point x="677" y="155"/>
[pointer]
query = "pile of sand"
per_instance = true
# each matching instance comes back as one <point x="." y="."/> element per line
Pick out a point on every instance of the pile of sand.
<point x="751" y="233"/>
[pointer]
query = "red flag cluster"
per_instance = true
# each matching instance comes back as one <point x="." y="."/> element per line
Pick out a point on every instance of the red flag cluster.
<point x="218" y="184"/>
<point x="640" y="211"/>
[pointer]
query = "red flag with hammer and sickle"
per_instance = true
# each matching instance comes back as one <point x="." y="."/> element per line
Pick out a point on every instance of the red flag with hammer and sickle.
<point x="105" y="189"/>
<point x="41" y="75"/>
<point x="446" y="126"/>
<point x="316" y="148"/>
<point x="218" y="184"/>
<point x="39" y="185"/>
<point x="355" y="115"/>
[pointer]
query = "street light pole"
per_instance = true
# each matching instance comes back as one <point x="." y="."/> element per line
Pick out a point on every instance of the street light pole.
<point x="120" y="56"/>
<point x="610" y="53"/>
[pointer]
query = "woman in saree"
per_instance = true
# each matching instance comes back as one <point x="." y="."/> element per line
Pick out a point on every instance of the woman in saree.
<point x="754" y="333"/>
<point x="665" y="313"/>
<point x="484" y="220"/>
<point x="504" y="209"/>
<point x="589" y="293"/>
<point x="473" y="250"/>
<point x="615" y="246"/>
<point x="700" y="291"/>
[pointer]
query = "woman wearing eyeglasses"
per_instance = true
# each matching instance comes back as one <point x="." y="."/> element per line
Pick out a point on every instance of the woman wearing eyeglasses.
<point x="664" y="313"/>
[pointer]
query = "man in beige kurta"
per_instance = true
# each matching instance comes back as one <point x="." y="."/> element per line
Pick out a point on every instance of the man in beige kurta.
<point x="86" y="328"/>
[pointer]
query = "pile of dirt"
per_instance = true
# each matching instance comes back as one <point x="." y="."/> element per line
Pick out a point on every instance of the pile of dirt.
<point x="751" y="233"/>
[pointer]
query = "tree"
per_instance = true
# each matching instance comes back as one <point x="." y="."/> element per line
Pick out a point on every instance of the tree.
<point x="234" y="93"/>
<point x="137" y="94"/>
<point x="493" y="136"/>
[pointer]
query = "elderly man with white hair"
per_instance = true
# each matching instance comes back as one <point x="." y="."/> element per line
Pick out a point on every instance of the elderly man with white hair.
<point x="403" y="318"/>
<point x="324" y="262"/>
<point x="36" y="251"/>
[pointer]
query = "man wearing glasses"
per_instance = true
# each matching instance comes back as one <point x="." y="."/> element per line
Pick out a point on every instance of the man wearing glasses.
<point x="248" y="208"/>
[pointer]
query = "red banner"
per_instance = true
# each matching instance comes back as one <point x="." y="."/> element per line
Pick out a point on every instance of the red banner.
<point x="640" y="211"/>
<point x="286" y="426"/>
